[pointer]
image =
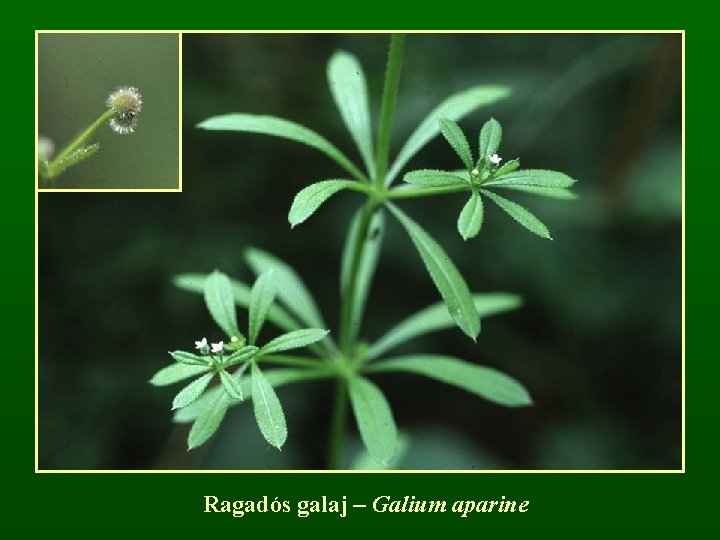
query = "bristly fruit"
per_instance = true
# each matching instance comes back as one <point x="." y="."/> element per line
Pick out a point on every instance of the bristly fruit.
<point x="126" y="103"/>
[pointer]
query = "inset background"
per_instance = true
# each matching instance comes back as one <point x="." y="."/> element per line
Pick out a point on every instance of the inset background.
<point x="77" y="72"/>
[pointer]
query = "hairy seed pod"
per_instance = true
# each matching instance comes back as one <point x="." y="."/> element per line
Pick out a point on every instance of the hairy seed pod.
<point x="126" y="103"/>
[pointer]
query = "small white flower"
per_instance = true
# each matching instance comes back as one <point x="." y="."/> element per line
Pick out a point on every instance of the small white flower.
<point x="475" y="172"/>
<point x="201" y="344"/>
<point x="495" y="159"/>
<point x="234" y="339"/>
<point x="217" y="347"/>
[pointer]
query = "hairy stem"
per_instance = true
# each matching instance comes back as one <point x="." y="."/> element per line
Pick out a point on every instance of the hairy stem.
<point x="337" y="427"/>
<point x="387" y="110"/>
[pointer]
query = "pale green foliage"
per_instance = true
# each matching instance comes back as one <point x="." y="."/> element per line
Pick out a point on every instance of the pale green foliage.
<point x="278" y="127"/>
<point x="483" y="381"/>
<point x="282" y="297"/>
<point x="347" y="84"/>
<point x="268" y="411"/>
<point x="444" y="274"/>
<point x="261" y="298"/>
<point x="374" y="419"/>
<point x="219" y="301"/>
<point x="456" y="138"/>
<point x="471" y="217"/>
<point x="309" y="199"/>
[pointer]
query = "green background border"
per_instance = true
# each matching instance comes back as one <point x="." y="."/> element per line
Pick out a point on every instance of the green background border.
<point x="581" y="503"/>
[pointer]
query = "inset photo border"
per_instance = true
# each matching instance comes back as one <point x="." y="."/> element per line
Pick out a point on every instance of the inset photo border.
<point x="108" y="110"/>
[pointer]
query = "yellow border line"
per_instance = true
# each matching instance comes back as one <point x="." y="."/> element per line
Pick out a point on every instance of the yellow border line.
<point x="293" y="471"/>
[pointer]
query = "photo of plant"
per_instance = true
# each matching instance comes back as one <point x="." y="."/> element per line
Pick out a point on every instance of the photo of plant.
<point x="91" y="86"/>
<point x="423" y="251"/>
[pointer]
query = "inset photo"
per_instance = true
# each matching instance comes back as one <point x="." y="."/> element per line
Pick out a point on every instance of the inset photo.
<point x="108" y="111"/>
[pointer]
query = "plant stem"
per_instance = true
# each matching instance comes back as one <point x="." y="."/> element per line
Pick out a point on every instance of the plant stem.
<point x="347" y="307"/>
<point x="85" y="135"/>
<point x="337" y="428"/>
<point x="387" y="110"/>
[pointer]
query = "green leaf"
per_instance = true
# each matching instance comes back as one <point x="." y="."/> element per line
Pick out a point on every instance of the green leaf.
<point x="433" y="178"/>
<point x="486" y="382"/>
<point x="73" y="158"/>
<point x="436" y="317"/>
<point x="444" y="274"/>
<point x="365" y="462"/>
<point x="454" y="108"/>
<point x="175" y="373"/>
<point x="347" y="84"/>
<point x="208" y="416"/>
<point x="219" y="299"/>
<point x="519" y="214"/>
<point x="552" y="192"/>
<point x="230" y="385"/>
<point x="279" y="127"/>
<point x="456" y="138"/>
<point x="189" y="358"/>
<point x="374" y="419"/>
<point x="533" y="177"/>
<point x="241" y="294"/>
<point x="508" y="167"/>
<point x="276" y="377"/>
<point x="291" y="289"/>
<point x="368" y="262"/>
<point x="243" y="355"/>
<point x="268" y="411"/>
<point x="261" y="298"/>
<point x="471" y="217"/>
<point x="310" y="198"/>
<point x="192" y="391"/>
<point x="490" y="137"/>
<point x="293" y="340"/>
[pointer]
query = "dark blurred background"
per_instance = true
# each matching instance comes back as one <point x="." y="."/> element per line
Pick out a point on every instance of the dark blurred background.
<point x="597" y="343"/>
<point x="77" y="73"/>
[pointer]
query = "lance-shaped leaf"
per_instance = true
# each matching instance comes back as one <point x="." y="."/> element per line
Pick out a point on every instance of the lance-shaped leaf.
<point x="486" y="382"/>
<point x="532" y="177"/>
<point x="276" y="377"/>
<point x="508" y="167"/>
<point x="238" y="357"/>
<point x="363" y="461"/>
<point x="369" y="255"/>
<point x="279" y="127"/>
<point x="347" y="84"/>
<point x="268" y="411"/>
<point x="551" y="192"/>
<point x="261" y="298"/>
<point x="490" y="137"/>
<point x="310" y="198"/>
<point x="436" y="317"/>
<point x="374" y="419"/>
<point x="175" y="373"/>
<point x="471" y="217"/>
<point x="293" y="340"/>
<point x="220" y="302"/>
<point x="231" y="385"/>
<point x="520" y="214"/>
<point x="192" y="391"/>
<point x="453" y="108"/>
<point x="434" y="178"/>
<point x="209" y="414"/>
<point x="291" y="289"/>
<point x="456" y="138"/>
<point x="444" y="274"/>
<point x="241" y="294"/>
<point x="189" y="358"/>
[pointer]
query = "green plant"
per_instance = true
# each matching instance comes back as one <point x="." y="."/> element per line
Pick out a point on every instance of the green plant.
<point x="281" y="297"/>
<point x="123" y="106"/>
